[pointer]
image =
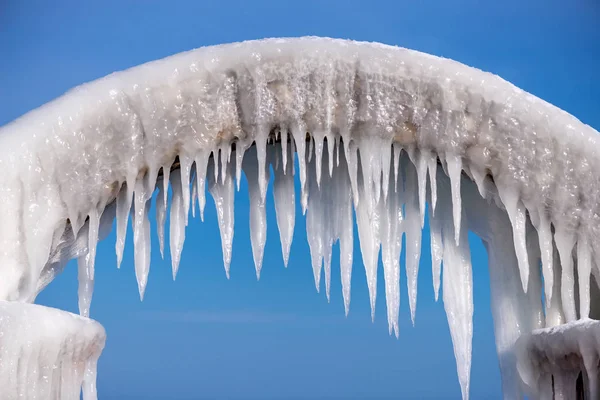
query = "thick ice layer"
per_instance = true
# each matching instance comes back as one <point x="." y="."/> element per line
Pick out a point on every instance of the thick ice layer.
<point x="551" y="361"/>
<point x="47" y="354"/>
<point x="369" y="124"/>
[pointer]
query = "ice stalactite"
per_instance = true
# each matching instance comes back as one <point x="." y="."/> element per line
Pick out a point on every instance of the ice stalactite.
<point x="161" y="213"/>
<point x="177" y="219"/>
<point x="123" y="208"/>
<point x="513" y="310"/>
<point x="457" y="282"/>
<point x="141" y="233"/>
<point x="256" y="170"/>
<point x="584" y="270"/>
<point x="223" y="192"/>
<point x="285" y="199"/>
<point x="368" y="218"/>
<point x="392" y="228"/>
<point x="201" y="164"/>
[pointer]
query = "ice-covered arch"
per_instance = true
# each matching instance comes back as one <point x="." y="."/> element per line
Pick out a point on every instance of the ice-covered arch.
<point x="371" y="125"/>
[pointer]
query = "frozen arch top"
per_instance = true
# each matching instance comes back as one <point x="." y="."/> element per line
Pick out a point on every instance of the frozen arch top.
<point x="389" y="117"/>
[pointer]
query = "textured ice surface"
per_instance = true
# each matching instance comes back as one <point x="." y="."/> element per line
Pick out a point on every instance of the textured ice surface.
<point x="552" y="359"/>
<point x="380" y="129"/>
<point x="46" y="353"/>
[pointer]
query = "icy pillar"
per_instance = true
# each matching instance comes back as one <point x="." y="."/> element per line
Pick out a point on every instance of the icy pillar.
<point x="46" y="353"/>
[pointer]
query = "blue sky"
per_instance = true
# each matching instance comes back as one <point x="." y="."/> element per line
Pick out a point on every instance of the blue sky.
<point x="204" y="337"/>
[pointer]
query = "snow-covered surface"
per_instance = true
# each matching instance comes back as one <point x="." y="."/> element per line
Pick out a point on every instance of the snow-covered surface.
<point x="553" y="358"/>
<point x="47" y="354"/>
<point x="369" y="124"/>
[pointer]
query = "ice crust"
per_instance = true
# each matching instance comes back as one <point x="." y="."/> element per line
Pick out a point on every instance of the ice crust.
<point x="390" y="133"/>
<point x="47" y="353"/>
<point x="551" y="360"/>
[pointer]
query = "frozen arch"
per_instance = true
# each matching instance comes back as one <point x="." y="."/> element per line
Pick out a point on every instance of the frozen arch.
<point x="377" y="129"/>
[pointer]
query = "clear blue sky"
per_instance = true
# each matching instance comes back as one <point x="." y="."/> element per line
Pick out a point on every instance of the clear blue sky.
<point x="203" y="337"/>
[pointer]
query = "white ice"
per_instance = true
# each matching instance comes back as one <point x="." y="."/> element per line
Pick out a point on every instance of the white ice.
<point x="57" y="353"/>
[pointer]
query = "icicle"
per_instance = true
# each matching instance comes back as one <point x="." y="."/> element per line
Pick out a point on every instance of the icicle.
<point x="343" y="191"/>
<point x="584" y="268"/>
<point x="554" y="308"/>
<point x="397" y="150"/>
<point x="565" y="243"/>
<point x="292" y="152"/>
<point x="546" y="250"/>
<point x="240" y="150"/>
<point x="590" y="362"/>
<point x="330" y="202"/>
<point x="327" y="267"/>
<point x="201" y="166"/>
<point x="516" y="214"/>
<point x="185" y="167"/>
<point x="432" y="169"/>
<point x="261" y="155"/>
<point x="166" y="177"/>
<point x="510" y="304"/>
<point x="458" y="303"/>
<point x="256" y="172"/>
<point x="86" y="286"/>
<point x="457" y="287"/>
<point x="299" y="142"/>
<point x="391" y="247"/>
<point x="422" y="184"/>
<point x="160" y="217"/>
<point x="283" y="138"/>
<point x="412" y="227"/>
<point x="223" y="195"/>
<point x="315" y="228"/>
<point x="370" y="161"/>
<point x="89" y="390"/>
<point x="330" y="147"/>
<point x="368" y="222"/>
<point x="564" y="384"/>
<point x="534" y="288"/>
<point x="177" y="221"/>
<point x="386" y="160"/>
<point x="352" y="160"/>
<point x="224" y="155"/>
<point x="285" y="205"/>
<point x="141" y="236"/>
<point x="437" y="250"/>
<point x="93" y="225"/>
<point x="194" y="193"/>
<point x="454" y="172"/>
<point x="338" y="143"/>
<point x="479" y="178"/>
<point x="215" y="154"/>
<point x="124" y="199"/>
<point x="318" y="148"/>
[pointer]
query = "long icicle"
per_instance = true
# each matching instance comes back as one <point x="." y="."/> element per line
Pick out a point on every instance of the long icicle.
<point x="391" y="247"/>
<point x="285" y="202"/>
<point x="177" y="221"/>
<point x="457" y="288"/>
<point x="256" y="172"/>
<point x="223" y="195"/>
<point x="412" y="227"/>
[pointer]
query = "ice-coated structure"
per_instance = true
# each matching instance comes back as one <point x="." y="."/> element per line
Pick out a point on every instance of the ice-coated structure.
<point x="387" y="132"/>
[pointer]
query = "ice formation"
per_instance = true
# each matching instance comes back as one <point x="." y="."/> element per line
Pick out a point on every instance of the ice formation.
<point x="47" y="353"/>
<point x="390" y="133"/>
